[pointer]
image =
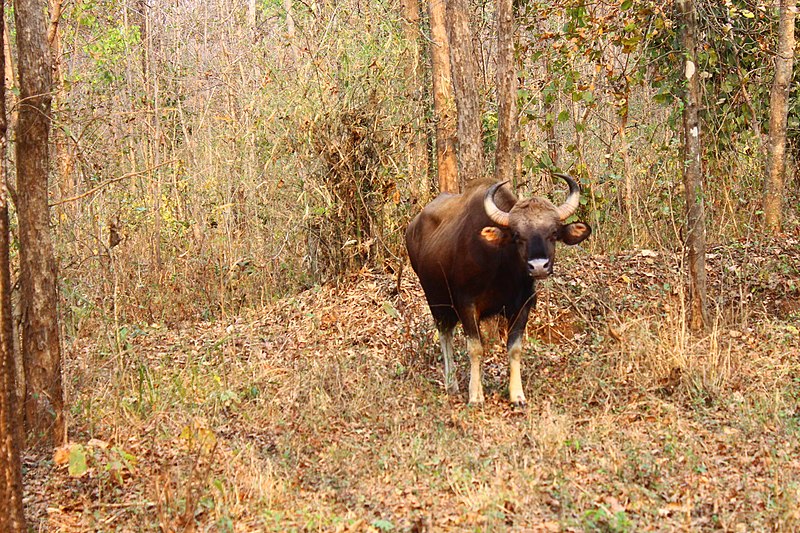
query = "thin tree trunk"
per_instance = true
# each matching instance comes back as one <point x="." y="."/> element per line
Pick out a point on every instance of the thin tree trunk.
<point x="778" y="110"/>
<point x="622" y="134"/>
<point x="443" y="99"/>
<point x="464" y="70"/>
<point x="12" y="102"/>
<point x="507" y="144"/>
<point x="12" y="518"/>
<point x="693" y="172"/>
<point x="417" y="146"/>
<point x="64" y="158"/>
<point x="10" y="78"/>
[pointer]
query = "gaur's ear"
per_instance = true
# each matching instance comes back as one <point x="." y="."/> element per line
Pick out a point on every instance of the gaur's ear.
<point x="574" y="233"/>
<point x="494" y="236"/>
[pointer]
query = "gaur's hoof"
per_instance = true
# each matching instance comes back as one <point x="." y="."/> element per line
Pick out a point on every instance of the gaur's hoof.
<point x="519" y="405"/>
<point x="477" y="400"/>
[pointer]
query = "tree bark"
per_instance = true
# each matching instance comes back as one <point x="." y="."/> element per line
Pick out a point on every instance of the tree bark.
<point x="507" y="143"/>
<point x="622" y="135"/>
<point x="417" y="144"/>
<point x="12" y="519"/>
<point x="444" y="107"/>
<point x="464" y="70"/>
<point x="44" y="401"/>
<point x="64" y="156"/>
<point x="778" y="111"/>
<point x="693" y="172"/>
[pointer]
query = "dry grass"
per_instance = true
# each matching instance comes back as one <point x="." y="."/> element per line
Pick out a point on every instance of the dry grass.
<point x="325" y="411"/>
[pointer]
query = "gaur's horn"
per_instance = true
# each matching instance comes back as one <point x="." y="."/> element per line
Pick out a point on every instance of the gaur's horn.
<point x="570" y="205"/>
<point x="495" y="214"/>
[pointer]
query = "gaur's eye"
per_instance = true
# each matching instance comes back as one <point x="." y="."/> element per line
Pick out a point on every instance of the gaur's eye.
<point x="553" y="237"/>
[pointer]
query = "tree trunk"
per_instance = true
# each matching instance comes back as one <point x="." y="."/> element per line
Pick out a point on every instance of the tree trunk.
<point x="443" y="100"/>
<point x="507" y="143"/>
<point x="12" y="518"/>
<point x="10" y="80"/>
<point x="464" y="69"/>
<point x="11" y="104"/>
<point x="622" y="135"/>
<point x="64" y="156"/>
<point x="693" y="172"/>
<point x="44" y="401"/>
<point x="417" y="145"/>
<point x="778" y="110"/>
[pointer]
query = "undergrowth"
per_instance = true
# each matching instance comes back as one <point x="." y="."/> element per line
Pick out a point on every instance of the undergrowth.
<point x="326" y="411"/>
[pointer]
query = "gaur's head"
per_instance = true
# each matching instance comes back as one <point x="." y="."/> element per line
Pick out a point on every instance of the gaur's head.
<point x="534" y="225"/>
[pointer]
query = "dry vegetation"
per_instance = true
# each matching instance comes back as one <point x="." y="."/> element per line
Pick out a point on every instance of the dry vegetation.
<point x="243" y="358"/>
<point x="325" y="411"/>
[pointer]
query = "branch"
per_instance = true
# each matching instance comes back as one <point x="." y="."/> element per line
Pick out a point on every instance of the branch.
<point x="109" y="182"/>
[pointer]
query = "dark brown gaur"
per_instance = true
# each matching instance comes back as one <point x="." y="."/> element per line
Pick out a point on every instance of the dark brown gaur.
<point x="477" y="255"/>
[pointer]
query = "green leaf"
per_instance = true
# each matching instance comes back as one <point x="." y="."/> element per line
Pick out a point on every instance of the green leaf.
<point x="626" y="5"/>
<point x="390" y="310"/>
<point x="383" y="525"/>
<point x="663" y="98"/>
<point x="77" y="461"/>
<point x="545" y="160"/>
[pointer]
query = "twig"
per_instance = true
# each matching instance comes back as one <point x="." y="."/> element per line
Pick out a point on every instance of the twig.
<point x="109" y="182"/>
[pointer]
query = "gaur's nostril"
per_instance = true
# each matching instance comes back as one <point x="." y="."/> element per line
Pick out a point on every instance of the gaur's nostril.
<point x="539" y="267"/>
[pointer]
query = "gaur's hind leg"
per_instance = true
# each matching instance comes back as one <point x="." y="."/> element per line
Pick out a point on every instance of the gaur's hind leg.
<point x="446" y="341"/>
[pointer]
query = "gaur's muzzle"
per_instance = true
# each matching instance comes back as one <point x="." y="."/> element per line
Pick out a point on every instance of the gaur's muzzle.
<point x="540" y="268"/>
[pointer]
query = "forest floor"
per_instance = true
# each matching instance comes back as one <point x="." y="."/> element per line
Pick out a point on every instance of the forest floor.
<point x="325" y="411"/>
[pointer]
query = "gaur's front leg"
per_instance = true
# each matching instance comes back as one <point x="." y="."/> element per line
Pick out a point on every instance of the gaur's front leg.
<point x="475" y="349"/>
<point x="471" y="324"/>
<point x="515" y="393"/>
<point x="515" y="333"/>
